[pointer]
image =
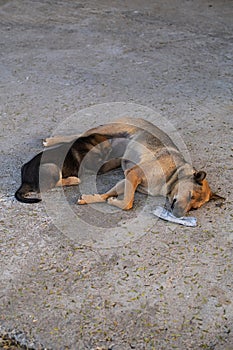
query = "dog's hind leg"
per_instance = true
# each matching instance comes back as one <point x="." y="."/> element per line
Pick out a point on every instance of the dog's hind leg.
<point x="55" y="140"/>
<point x="51" y="176"/>
<point x="68" y="181"/>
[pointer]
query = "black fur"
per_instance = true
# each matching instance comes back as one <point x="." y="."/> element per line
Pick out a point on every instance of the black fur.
<point x="64" y="158"/>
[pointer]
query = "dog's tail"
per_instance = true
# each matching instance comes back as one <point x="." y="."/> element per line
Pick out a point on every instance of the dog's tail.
<point x="22" y="192"/>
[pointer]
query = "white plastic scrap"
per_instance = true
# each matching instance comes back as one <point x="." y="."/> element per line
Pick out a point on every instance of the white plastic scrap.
<point x="164" y="214"/>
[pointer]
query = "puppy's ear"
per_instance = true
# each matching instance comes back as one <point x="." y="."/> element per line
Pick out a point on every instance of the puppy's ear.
<point x="216" y="197"/>
<point x="199" y="176"/>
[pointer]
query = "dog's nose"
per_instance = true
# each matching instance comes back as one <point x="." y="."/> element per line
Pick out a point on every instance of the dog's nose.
<point x="178" y="211"/>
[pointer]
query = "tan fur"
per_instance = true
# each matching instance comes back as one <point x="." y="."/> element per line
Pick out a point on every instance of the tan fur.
<point x="158" y="168"/>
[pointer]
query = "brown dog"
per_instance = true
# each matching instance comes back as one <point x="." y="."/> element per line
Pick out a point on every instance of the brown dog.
<point x="151" y="162"/>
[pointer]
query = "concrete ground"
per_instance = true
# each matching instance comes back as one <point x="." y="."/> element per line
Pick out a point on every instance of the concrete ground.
<point x="152" y="284"/>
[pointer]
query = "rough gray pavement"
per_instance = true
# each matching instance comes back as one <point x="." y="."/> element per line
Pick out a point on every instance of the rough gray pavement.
<point x="172" y="288"/>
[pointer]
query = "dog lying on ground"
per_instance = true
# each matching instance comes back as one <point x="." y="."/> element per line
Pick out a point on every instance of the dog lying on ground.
<point x="151" y="162"/>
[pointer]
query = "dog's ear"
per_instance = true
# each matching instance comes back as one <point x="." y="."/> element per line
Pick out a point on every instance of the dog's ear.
<point x="216" y="197"/>
<point x="199" y="176"/>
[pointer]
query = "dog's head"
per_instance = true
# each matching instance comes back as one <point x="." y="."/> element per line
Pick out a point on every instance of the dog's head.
<point x="190" y="193"/>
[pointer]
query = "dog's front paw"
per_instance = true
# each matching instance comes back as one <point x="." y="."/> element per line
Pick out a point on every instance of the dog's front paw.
<point x="116" y="202"/>
<point x="112" y="200"/>
<point x="81" y="201"/>
<point x="91" y="198"/>
<point x="119" y="203"/>
<point x="85" y="199"/>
